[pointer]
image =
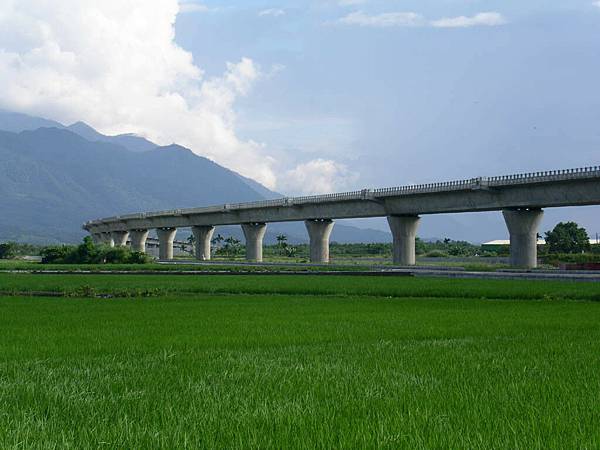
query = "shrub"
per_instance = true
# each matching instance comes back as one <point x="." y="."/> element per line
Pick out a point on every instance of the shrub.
<point x="8" y="250"/>
<point x="556" y="258"/>
<point x="56" y="254"/>
<point x="436" y="254"/>
<point x="89" y="253"/>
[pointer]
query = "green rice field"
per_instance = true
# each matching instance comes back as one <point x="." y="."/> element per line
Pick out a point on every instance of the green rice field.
<point x="244" y="361"/>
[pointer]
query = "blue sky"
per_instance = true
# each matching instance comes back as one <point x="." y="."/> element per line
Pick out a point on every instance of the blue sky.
<point x="402" y="103"/>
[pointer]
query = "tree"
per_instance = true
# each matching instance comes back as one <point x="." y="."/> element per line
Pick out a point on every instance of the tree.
<point x="191" y="240"/>
<point x="567" y="237"/>
<point x="217" y="242"/>
<point x="232" y="246"/>
<point x="282" y="243"/>
<point x="8" y="250"/>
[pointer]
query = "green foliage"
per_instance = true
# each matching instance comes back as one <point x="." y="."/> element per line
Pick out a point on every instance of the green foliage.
<point x="556" y="258"/>
<point x="285" y="249"/>
<point x="89" y="253"/>
<point x="447" y="247"/>
<point x="436" y="254"/>
<point x="567" y="237"/>
<point x="8" y="250"/>
<point x="229" y="246"/>
<point x="56" y="254"/>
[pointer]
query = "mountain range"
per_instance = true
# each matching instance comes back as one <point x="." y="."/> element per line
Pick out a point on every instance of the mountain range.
<point x="55" y="177"/>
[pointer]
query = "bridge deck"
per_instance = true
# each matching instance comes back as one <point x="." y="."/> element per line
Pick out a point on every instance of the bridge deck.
<point x="573" y="187"/>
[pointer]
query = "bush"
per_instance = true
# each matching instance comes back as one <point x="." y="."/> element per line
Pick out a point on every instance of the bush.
<point x="56" y="254"/>
<point x="436" y="254"/>
<point x="579" y="258"/>
<point x="8" y="250"/>
<point x="89" y="253"/>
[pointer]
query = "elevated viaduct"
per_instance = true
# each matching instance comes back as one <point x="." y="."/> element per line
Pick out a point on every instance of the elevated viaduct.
<point x="521" y="198"/>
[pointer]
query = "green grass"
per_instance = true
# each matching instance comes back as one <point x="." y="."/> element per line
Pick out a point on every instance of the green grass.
<point x="373" y="286"/>
<point x="276" y="266"/>
<point x="352" y="264"/>
<point x="296" y="366"/>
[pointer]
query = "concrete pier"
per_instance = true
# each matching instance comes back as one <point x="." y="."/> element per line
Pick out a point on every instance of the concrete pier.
<point x="202" y="238"/>
<point x="319" y="231"/>
<point x="107" y="239"/>
<point x="523" y="225"/>
<point x="254" y="233"/>
<point x="138" y="240"/>
<point x="166" y="236"/>
<point x="404" y="231"/>
<point x="97" y="238"/>
<point x="120" y="238"/>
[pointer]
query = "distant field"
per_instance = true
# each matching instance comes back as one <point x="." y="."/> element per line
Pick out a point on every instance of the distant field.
<point x="240" y="265"/>
<point x="132" y="285"/>
<point x="298" y="362"/>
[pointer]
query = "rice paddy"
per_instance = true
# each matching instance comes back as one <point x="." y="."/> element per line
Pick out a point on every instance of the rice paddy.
<point x="297" y="362"/>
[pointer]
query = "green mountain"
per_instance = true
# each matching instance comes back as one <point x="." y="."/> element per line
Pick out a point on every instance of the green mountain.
<point x="54" y="179"/>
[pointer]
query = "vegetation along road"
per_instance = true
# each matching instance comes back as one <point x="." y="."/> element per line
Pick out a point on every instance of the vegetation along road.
<point x="297" y="362"/>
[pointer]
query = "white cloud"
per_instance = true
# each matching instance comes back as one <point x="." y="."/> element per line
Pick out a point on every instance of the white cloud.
<point x="272" y="12"/>
<point x="115" y="65"/>
<point x="318" y="176"/>
<point x="384" y="20"/>
<point x="189" y="7"/>
<point x="597" y="3"/>
<point x="482" y="19"/>
<point x="413" y="19"/>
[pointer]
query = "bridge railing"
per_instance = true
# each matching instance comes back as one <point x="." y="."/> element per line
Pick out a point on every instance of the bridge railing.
<point x="372" y="194"/>
<point x="545" y="176"/>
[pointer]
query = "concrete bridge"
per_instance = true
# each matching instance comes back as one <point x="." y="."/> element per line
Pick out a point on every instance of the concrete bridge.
<point x="520" y="197"/>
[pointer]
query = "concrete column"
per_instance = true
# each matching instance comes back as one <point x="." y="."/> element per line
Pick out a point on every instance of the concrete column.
<point x="120" y="238"/>
<point x="97" y="238"/>
<point x="138" y="240"/>
<point x="166" y="236"/>
<point x="523" y="225"/>
<point x="319" y="231"/>
<point x="107" y="239"/>
<point x="202" y="238"/>
<point x="254" y="233"/>
<point x="404" y="231"/>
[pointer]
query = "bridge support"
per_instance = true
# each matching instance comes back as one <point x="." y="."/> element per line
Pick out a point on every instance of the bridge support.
<point x="404" y="231"/>
<point x="319" y="231"/>
<point x="523" y="225"/>
<point x="107" y="239"/>
<point x="138" y="240"/>
<point x="166" y="236"/>
<point x="120" y="238"/>
<point x="254" y="234"/>
<point x="202" y="238"/>
<point x="97" y="238"/>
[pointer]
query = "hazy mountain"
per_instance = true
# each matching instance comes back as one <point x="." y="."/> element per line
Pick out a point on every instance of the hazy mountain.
<point x="52" y="180"/>
<point x="17" y="122"/>
<point x="129" y="141"/>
